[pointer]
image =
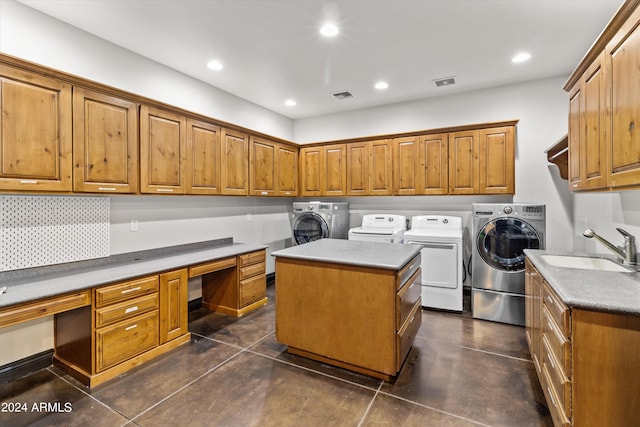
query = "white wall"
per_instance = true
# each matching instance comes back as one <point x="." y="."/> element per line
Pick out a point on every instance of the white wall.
<point x="541" y="108"/>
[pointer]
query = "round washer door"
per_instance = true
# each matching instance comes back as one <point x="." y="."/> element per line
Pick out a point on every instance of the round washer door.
<point x="501" y="242"/>
<point x="309" y="227"/>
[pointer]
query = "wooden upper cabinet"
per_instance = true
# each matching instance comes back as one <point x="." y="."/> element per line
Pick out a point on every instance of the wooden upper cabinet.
<point x="497" y="160"/>
<point x="623" y="53"/>
<point x="323" y="170"/>
<point x="162" y="151"/>
<point x="105" y="143"/>
<point x="464" y="162"/>
<point x="35" y="132"/>
<point x="287" y="170"/>
<point x="576" y="135"/>
<point x="405" y="165"/>
<point x="380" y="167"/>
<point x="358" y="169"/>
<point x="263" y="155"/>
<point x="203" y="157"/>
<point x="433" y="164"/>
<point x="234" y="159"/>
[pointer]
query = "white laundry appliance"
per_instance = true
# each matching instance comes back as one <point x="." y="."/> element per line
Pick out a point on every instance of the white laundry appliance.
<point x="380" y="228"/>
<point x="441" y="240"/>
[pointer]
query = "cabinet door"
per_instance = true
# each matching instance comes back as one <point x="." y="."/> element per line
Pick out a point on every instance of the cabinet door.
<point x="262" y="158"/>
<point x="203" y="158"/>
<point x="162" y="151"/>
<point x="497" y="160"/>
<point x="463" y="162"/>
<point x="334" y="170"/>
<point x="405" y="154"/>
<point x="35" y="132"/>
<point x="174" y="301"/>
<point x="358" y="169"/>
<point x="287" y="170"/>
<point x="310" y="162"/>
<point x="105" y="143"/>
<point x="433" y="164"/>
<point x="594" y="154"/>
<point x="575" y="137"/>
<point x="623" y="53"/>
<point x="235" y="163"/>
<point x="381" y="167"/>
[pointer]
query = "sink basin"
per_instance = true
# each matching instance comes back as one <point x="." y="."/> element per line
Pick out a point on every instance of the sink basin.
<point x="585" y="263"/>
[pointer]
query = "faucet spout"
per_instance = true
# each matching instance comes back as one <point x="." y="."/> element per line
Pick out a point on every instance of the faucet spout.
<point x="628" y="254"/>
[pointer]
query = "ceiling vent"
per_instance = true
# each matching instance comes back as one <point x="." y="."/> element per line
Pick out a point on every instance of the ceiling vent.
<point x="343" y="95"/>
<point x="447" y="81"/>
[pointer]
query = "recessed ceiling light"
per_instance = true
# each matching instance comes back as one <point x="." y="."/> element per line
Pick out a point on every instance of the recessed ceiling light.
<point x="329" y="29"/>
<point x="214" y="64"/>
<point x="381" y="85"/>
<point x="290" y="103"/>
<point x="521" y="57"/>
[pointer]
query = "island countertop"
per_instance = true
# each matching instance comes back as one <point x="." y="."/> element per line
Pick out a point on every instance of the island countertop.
<point x="390" y="256"/>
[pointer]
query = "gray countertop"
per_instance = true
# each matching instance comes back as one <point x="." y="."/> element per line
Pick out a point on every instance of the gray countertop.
<point x="590" y="289"/>
<point x="388" y="256"/>
<point x="41" y="282"/>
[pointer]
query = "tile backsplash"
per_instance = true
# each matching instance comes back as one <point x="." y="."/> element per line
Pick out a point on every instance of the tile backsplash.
<point x="45" y="230"/>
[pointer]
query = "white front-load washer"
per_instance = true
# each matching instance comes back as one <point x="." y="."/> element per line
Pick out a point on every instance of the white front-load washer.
<point x="441" y="240"/>
<point x="380" y="228"/>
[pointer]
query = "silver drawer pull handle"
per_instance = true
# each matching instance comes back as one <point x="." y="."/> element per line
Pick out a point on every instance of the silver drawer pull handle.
<point x="126" y="291"/>
<point x="550" y="326"/>
<point x="551" y="396"/>
<point x="28" y="181"/>
<point x="128" y="328"/>
<point x="131" y="309"/>
<point x="553" y="365"/>
<point x="411" y="321"/>
<point x="550" y="300"/>
<point x="107" y="188"/>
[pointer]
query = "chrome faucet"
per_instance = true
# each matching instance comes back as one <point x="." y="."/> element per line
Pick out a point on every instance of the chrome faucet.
<point x="626" y="253"/>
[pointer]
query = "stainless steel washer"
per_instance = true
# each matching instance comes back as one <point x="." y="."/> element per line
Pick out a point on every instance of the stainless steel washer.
<point x="319" y="220"/>
<point x="501" y="233"/>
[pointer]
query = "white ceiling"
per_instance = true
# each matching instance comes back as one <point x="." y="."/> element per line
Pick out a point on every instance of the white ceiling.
<point x="271" y="49"/>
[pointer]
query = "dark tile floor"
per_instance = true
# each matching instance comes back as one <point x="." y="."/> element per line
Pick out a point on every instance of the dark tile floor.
<point x="460" y="372"/>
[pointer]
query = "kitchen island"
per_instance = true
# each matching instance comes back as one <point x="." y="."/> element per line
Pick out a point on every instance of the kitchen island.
<point x="351" y="304"/>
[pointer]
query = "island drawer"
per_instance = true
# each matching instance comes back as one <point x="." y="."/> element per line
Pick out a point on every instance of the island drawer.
<point x="251" y="290"/>
<point x="558" y="344"/>
<point x="126" y="290"/>
<point x="252" y="258"/>
<point x="210" y="267"/>
<point x="559" y="312"/>
<point x="127" y="309"/>
<point x="123" y="340"/>
<point x="560" y="419"/>
<point x="557" y="380"/>
<point x="407" y="334"/>
<point x="252" y="270"/>
<point x="406" y="298"/>
<point x="407" y="271"/>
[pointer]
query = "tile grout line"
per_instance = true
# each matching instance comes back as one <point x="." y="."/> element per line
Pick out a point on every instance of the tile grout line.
<point x="366" y="411"/>
<point x="496" y="354"/>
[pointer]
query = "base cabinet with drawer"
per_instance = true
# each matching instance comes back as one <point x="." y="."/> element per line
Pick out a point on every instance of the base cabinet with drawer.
<point x="127" y="324"/>
<point x="238" y="290"/>
<point x="364" y="319"/>
<point x="587" y="361"/>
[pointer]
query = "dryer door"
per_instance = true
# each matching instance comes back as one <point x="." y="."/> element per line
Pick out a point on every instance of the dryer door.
<point x="308" y="227"/>
<point x="501" y="242"/>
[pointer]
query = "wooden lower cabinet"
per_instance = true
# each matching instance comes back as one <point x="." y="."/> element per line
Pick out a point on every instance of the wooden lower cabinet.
<point x="360" y="318"/>
<point x="238" y="290"/>
<point x="127" y="324"/>
<point x="587" y="361"/>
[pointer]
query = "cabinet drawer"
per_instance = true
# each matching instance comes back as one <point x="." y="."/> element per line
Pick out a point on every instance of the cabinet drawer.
<point x="210" y="267"/>
<point x="252" y="270"/>
<point x="252" y="258"/>
<point x="126" y="290"/>
<point x="406" y="335"/>
<point x="126" y="309"/>
<point x="406" y="298"/>
<point x="559" y="312"/>
<point x="408" y="271"/>
<point x="557" y="414"/>
<point x="121" y="341"/>
<point x="557" y="380"/>
<point x="251" y="290"/>
<point x="45" y="307"/>
<point x="558" y="344"/>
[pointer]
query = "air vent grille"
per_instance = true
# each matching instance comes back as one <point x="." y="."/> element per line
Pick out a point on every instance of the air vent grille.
<point x="446" y="81"/>
<point x="343" y="95"/>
